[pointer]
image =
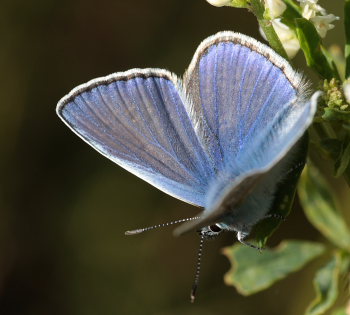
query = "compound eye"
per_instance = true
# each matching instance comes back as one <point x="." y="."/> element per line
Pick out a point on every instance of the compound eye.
<point x="215" y="228"/>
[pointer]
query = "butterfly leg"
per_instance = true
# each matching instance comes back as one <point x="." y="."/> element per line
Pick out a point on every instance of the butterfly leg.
<point x="241" y="236"/>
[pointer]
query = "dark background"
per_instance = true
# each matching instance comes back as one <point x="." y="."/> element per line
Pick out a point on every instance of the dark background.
<point x="64" y="208"/>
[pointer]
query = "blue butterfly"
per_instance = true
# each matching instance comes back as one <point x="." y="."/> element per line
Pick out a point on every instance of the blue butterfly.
<point x="221" y="138"/>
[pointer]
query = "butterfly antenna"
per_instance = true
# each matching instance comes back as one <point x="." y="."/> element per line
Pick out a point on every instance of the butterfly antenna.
<point x="138" y="231"/>
<point x="198" y="270"/>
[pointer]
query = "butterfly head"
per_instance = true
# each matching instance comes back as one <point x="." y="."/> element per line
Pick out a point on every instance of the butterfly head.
<point x="210" y="232"/>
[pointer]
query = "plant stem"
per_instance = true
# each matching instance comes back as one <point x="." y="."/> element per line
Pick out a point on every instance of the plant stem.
<point x="258" y="9"/>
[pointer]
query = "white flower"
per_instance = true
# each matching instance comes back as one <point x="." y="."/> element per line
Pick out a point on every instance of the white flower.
<point x="310" y="8"/>
<point x="219" y="3"/>
<point x="287" y="37"/>
<point x="346" y="88"/>
<point x="318" y="16"/>
<point x="275" y="7"/>
<point x="323" y="23"/>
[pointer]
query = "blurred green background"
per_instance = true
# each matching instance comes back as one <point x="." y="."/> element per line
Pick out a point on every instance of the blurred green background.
<point x="64" y="208"/>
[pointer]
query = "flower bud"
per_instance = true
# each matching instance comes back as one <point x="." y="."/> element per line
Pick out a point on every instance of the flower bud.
<point x="287" y="37"/>
<point x="275" y="8"/>
<point x="310" y="9"/>
<point x="229" y="3"/>
<point x="219" y="3"/>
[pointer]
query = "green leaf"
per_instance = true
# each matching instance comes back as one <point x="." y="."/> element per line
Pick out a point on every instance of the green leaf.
<point x="331" y="147"/>
<point x="345" y="267"/>
<point x="338" y="151"/>
<point x="332" y="114"/>
<point x="326" y="286"/>
<point x="284" y="197"/>
<point x="252" y="271"/>
<point x="330" y="59"/>
<point x="310" y="43"/>
<point x="291" y="13"/>
<point x="347" y="35"/>
<point x="343" y="160"/>
<point x="293" y="8"/>
<point x="321" y="208"/>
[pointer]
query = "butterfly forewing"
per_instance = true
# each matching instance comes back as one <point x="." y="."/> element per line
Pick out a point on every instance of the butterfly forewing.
<point x="138" y="120"/>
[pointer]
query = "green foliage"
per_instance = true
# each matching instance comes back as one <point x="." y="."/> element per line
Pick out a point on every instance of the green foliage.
<point x="342" y="163"/>
<point x="290" y="14"/>
<point x="322" y="209"/>
<point x="334" y="114"/>
<point x="252" y="273"/>
<point x="331" y="147"/>
<point x="334" y="118"/>
<point x="338" y="150"/>
<point x="326" y="286"/>
<point x="293" y="10"/>
<point x="310" y="43"/>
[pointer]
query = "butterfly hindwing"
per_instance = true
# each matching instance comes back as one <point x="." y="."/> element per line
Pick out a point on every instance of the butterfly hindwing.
<point x="238" y="91"/>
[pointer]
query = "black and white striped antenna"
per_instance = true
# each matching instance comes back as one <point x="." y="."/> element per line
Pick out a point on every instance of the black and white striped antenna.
<point x="199" y="255"/>
<point x="138" y="231"/>
<point x="198" y="270"/>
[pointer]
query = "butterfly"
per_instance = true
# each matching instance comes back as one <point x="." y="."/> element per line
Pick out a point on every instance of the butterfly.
<point x="220" y="138"/>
